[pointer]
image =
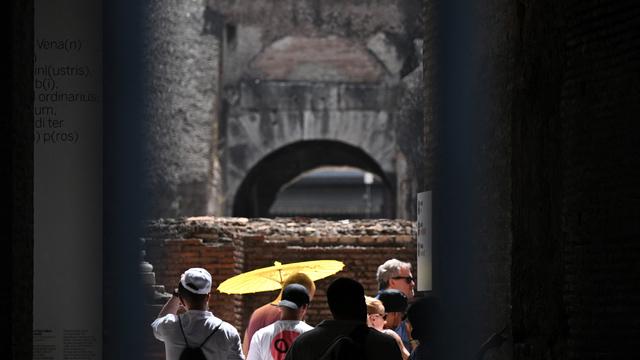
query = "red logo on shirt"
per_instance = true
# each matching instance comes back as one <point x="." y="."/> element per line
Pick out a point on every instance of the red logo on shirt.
<point x="281" y="343"/>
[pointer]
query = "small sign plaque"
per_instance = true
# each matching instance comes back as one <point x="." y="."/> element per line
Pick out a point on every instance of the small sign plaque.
<point x="423" y="225"/>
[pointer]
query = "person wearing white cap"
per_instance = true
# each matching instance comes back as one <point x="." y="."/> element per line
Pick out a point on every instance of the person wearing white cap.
<point x="273" y="342"/>
<point x="197" y="328"/>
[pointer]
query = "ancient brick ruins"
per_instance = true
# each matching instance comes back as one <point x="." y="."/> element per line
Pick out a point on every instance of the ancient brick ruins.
<point x="230" y="246"/>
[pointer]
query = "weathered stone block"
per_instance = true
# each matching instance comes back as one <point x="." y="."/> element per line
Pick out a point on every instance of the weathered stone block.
<point x="386" y="52"/>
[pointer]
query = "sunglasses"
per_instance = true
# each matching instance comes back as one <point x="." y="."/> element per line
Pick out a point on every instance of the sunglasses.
<point x="408" y="279"/>
<point x="384" y="317"/>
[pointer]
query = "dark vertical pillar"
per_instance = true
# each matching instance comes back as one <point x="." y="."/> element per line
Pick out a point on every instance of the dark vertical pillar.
<point x="123" y="100"/>
<point x="17" y="150"/>
<point x="454" y="198"/>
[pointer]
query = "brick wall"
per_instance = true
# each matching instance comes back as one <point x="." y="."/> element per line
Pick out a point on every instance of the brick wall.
<point x="536" y="277"/>
<point x="575" y="181"/>
<point x="171" y="257"/>
<point x="599" y="113"/>
<point x="230" y="246"/>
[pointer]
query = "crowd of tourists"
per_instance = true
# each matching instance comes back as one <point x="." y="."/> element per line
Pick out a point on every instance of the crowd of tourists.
<point x="390" y="325"/>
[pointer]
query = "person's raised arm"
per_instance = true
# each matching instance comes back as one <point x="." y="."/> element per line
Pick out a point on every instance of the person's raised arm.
<point x="171" y="306"/>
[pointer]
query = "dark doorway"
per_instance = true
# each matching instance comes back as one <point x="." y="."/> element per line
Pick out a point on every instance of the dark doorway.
<point x="274" y="172"/>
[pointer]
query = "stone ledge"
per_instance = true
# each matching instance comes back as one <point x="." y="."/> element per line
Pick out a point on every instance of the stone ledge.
<point x="223" y="230"/>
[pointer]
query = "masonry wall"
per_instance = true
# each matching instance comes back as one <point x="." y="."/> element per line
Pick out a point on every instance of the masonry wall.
<point x="575" y="164"/>
<point x="269" y="115"/>
<point x="409" y="126"/>
<point x="297" y="71"/>
<point x="539" y="322"/>
<point x="492" y="49"/>
<point x="174" y="246"/>
<point x="557" y="237"/>
<point x="601" y="179"/>
<point x="253" y="25"/>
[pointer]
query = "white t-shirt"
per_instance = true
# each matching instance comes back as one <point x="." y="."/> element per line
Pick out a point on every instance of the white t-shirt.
<point x="273" y="342"/>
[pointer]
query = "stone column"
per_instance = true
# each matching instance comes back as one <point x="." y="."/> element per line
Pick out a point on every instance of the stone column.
<point x="183" y="58"/>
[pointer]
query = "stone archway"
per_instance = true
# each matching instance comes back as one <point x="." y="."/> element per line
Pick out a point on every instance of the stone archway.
<point x="260" y="187"/>
<point x="313" y="88"/>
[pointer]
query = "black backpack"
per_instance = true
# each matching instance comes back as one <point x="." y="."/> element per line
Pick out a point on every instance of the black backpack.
<point x="349" y="347"/>
<point x="194" y="353"/>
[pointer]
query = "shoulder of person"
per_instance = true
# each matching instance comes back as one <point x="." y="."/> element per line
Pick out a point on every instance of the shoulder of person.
<point x="162" y="325"/>
<point x="261" y="332"/>
<point x="391" y="333"/>
<point x="309" y="333"/>
<point x="306" y="326"/>
<point x="380" y="337"/>
<point x="227" y="328"/>
<point x="167" y="319"/>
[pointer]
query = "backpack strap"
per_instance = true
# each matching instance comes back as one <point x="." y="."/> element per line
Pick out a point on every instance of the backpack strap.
<point x="213" y="332"/>
<point x="205" y="340"/>
<point x="182" y="330"/>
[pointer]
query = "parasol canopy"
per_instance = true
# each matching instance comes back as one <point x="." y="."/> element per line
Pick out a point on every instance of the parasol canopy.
<point x="272" y="277"/>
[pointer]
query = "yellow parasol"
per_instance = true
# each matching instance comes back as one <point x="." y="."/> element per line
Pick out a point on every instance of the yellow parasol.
<point x="272" y="277"/>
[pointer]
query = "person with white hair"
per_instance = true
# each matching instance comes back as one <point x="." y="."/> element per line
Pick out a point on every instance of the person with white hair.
<point x="395" y="275"/>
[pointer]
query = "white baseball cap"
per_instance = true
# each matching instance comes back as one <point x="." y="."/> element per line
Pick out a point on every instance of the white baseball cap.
<point x="196" y="280"/>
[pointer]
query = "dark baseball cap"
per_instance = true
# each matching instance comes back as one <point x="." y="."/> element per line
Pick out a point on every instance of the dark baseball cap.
<point x="294" y="296"/>
<point x="393" y="300"/>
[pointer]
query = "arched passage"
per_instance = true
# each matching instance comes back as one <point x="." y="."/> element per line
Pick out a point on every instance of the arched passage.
<point x="333" y="193"/>
<point x="260" y="187"/>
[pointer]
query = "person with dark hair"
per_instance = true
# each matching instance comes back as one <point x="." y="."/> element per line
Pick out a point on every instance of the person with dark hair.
<point x="377" y="319"/>
<point x="273" y="341"/>
<point x="349" y="310"/>
<point x="197" y="327"/>
<point x="269" y="313"/>
<point x="421" y="316"/>
<point x="395" y="304"/>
